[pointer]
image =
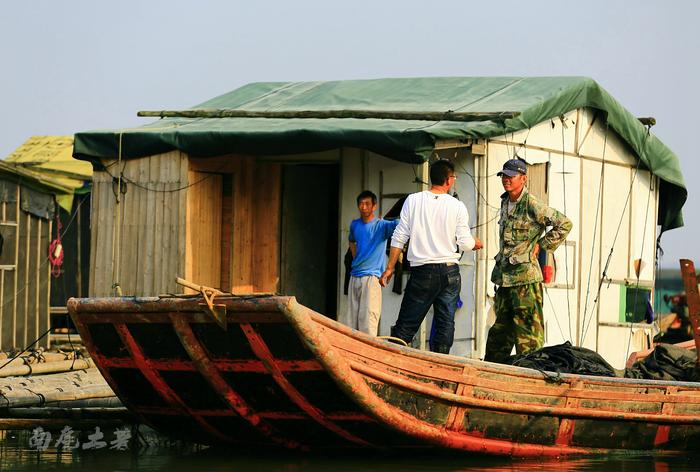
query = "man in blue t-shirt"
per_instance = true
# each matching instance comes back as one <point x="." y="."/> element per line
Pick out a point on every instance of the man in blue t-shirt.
<point x="368" y="237"/>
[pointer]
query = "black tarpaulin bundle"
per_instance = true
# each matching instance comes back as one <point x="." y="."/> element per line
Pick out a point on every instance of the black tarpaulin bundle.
<point x="566" y="359"/>
<point x="666" y="362"/>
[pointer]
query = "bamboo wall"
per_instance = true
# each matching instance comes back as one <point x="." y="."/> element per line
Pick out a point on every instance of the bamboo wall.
<point x="212" y="221"/>
<point x="24" y="276"/>
<point x="139" y="243"/>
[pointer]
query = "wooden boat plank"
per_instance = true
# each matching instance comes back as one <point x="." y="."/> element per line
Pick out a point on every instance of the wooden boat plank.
<point x="508" y="390"/>
<point x="179" y="304"/>
<point x="395" y="418"/>
<point x="262" y="351"/>
<point x="88" y="341"/>
<point x="210" y="372"/>
<point x="172" y="398"/>
<point x="425" y="389"/>
<point x="193" y="316"/>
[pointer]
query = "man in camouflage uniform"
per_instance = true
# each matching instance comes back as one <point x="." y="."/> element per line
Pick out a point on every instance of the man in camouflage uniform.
<point x="517" y="273"/>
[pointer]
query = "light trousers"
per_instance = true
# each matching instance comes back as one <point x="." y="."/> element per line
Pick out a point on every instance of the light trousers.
<point x="365" y="297"/>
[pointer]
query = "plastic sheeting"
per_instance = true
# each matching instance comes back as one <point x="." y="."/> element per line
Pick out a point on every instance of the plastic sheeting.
<point x="535" y="99"/>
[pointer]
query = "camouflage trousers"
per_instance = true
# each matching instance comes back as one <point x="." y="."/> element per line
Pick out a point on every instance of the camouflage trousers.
<point x="519" y="322"/>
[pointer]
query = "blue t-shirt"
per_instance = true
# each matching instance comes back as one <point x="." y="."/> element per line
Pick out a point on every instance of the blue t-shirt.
<point x="370" y="258"/>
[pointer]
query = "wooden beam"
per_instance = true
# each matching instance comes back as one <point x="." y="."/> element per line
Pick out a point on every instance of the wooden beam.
<point x="326" y="114"/>
<point x="690" y="283"/>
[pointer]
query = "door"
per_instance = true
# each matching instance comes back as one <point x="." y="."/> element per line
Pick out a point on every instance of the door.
<point x="309" y="247"/>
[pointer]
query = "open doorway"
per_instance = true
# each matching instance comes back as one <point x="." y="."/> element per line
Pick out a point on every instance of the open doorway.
<point x="309" y="246"/>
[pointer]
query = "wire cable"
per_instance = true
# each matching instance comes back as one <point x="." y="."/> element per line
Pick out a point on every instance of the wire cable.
<point x="617" y="232"/>
<point x="595" y="230"/>
<point x="566" y="252"/>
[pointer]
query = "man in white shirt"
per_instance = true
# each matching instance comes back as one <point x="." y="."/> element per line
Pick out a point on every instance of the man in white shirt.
<point x="437" y="225"/>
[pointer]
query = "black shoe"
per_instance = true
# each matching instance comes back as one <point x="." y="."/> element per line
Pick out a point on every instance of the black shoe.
<point x="441" y="348"/>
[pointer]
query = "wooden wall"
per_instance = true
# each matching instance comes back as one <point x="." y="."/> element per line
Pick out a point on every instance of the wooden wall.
<point x="247" y="218"/>
<point x="213" y="221"/>
<point x="24" y="276"/>
<point x="139" y="243"/>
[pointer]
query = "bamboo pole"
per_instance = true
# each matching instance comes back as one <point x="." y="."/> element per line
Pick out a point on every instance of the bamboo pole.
<point x="46" y="367"/>
<point x="15" y="280"/>
<point x="119" y="413"/>
<point x="326" y="114"/>
<point x="58" y="423"/>
<point x="357" y="114"/>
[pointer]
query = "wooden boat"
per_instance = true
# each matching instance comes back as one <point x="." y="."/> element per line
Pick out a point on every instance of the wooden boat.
<point x="282" y="374"/>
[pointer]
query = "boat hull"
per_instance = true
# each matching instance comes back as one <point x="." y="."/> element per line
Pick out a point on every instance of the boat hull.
<point x="281" y="374"/>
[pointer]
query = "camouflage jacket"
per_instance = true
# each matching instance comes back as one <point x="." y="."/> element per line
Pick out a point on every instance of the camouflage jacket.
<point x="518" y="234"/>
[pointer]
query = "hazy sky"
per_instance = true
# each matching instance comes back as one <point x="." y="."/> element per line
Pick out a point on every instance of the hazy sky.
<point x="78" y="65"/>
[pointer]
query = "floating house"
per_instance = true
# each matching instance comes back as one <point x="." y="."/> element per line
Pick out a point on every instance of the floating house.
<point x="254" y="191"/>
<point x="43" y="192"/>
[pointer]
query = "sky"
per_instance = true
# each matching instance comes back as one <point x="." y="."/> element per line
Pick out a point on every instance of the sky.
<point x="70" y="66"/>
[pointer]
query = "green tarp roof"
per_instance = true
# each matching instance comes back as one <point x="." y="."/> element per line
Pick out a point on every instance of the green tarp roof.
<point x="534" y="99"/>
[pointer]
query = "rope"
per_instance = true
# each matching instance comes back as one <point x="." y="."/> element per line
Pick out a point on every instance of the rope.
<point x="394" y="340"/>
<point x="617" y="232"/>
<point x="595" y="229"/>
<point x="116" y="226"/>
<point x="566" y="253"/>
<point x="42" y="266"/>
<point x="641" y="258"/>
<point x="553" y="311"/>
<point x="26" y="349"/>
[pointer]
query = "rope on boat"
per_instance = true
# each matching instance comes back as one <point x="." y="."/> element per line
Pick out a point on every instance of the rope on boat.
<point x="638" y="269"/>
<point x="218" y="312"/>
<point x="562" y="118"/>
<point x="599" y="203"/>
<point x="617" y="232"/>
<point x="394" y="340"/>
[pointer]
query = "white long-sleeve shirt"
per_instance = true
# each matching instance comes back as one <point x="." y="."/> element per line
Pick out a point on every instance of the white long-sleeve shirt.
<point x="438" y="227"/>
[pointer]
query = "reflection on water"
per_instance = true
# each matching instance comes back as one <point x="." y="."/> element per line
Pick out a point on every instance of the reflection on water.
<point x="148" y="451"/>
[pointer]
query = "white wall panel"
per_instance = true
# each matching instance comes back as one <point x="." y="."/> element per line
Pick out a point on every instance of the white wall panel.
<point x="616" y="214"/>
<point x="564" y="188"/>
<point x="559" y="315"/>
<point x="609" y="304"/>
<point x="617" y="343"/>
<point x="548" y="134"/>
<point x="589" y="248"/>
<point x="643" y="201"/>
<point x="614" y="149"/>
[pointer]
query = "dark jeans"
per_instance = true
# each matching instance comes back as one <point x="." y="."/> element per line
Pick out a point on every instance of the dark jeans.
<point x="430" y="284"/>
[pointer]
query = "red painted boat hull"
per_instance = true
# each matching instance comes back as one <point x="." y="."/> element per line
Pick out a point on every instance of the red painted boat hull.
<point x="283" y="375"/>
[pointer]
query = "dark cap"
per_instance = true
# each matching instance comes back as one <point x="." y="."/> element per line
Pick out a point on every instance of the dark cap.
<point x="514" y="167"/>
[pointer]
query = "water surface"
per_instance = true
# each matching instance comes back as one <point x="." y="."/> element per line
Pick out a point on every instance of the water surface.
<point x="148" y="451"/>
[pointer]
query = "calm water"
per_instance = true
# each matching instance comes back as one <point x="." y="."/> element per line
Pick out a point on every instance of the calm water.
<point x="151" y="452"/>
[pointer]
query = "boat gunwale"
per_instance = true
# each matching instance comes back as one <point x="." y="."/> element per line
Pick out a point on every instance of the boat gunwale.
<point x="276" y="303"/>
